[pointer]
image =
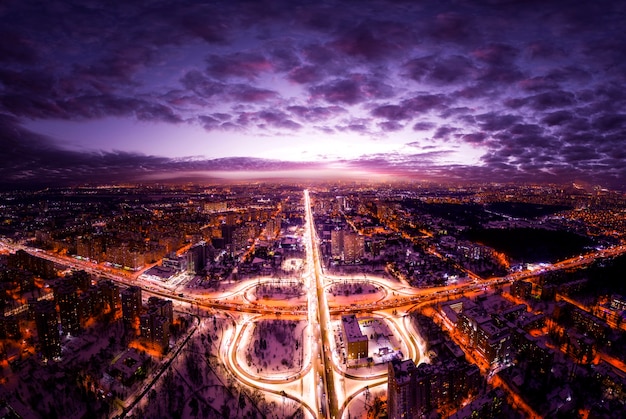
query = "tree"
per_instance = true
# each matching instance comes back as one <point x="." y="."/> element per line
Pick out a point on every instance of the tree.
<point x="376" y="408"/>
<point x="193" y="404"/>
<point x="225" y="411"/>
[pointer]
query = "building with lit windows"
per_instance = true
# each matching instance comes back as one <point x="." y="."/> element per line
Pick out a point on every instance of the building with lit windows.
<point x="347" y="246"/>
<point x="521" y="289"/>
<point x="67" y="298"/>
<point x="490" y="406"/>
<point x="39" y="266"/>
<point x="110" y="294"/>
<point x="356" y="341"/>
<point x="164" y="308"/>
<point x="196" y="258"/>
<point x="131" y="305"/>
<point x="491" y="341"/>
<point x="48" y="329"/>
<point x="414" y="391"/>
<point x="155" y="324"/>
<point x="401" y="397"/>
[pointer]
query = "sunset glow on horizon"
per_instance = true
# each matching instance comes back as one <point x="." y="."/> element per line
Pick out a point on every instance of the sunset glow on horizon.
<point x="472" y="91"/>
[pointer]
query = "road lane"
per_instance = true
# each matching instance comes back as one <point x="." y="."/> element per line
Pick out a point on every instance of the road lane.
<point x="328" y="401"/>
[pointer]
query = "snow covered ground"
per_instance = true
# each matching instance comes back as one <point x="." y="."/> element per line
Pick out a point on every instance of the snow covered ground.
<point x="273" y="348"/>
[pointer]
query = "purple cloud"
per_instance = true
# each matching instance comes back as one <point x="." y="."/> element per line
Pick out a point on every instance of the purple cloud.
<point x="277" y="120"/>
<point x="452" y="26"/>
<point x="307" y="74"/>
<point x="339" y="91"/>
<point x="248" y="66"/>
<point x="371" y="40"/>
<point x="316" y="113"/>
<point x="441" y="70"/>
<point x="474" y="138"/>
<point x="350" y="91"/>
<point x="423" y="126"/>
<point x="15" y="49"/>
<point x="390" y="126"/>
<point x="392" y="112"/>
<point x="202" y="86"/>
<point x="444" y="132"/>
<point x="247" y="93"/>
<point x="496" y="54"/>
<point x="540" y="89"/>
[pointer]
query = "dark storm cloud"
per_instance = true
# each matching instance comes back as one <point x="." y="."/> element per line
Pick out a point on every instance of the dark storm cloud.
<point x="201" y="85"/>
<point x="611" y="122"/>
<point x="545" y="101"/>
<point x="441" y="70"/>
<point x="557" y="118"/>
<point x="543" y="50"/>
<point x="570" y="74"/>
<point x="339" y="91"/>
<point x="538" y="85"/>
<point x="452" y="26"/>
<point x="247" y="66"/>
<point x="14" y="49"/>
<point x="283" y="58"/>
<point x="89" y="107"/>
<point x="496" y="122"/>
<point x="423" y="103"/>
<point x="496" y="54"/>
<point x="494" y="78"/>
<point x="117" y="67"/>
<point x="218" y="91"/>
<point x="94" y="107"/>
<point x="201" y="21"/>
<point x="411" y="108"/>
<point x="26" y="82"/>
<point x="371" y="40"/>
<point x="307" y="74"/>
<point x="320" y="55"/>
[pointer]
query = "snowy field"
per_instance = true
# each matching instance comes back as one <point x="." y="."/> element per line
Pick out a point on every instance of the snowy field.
<point x="274" y="348"/>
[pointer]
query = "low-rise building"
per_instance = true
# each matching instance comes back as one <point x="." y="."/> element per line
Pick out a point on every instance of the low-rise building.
<point x="356" y="341"/>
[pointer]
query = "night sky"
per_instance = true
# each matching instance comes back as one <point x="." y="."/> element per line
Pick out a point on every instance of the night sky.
<point x="493" y="90"/>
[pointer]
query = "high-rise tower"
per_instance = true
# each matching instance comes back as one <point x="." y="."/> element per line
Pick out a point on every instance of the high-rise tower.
<point x="131" y="305"/>
<point x="48" y="329"/>
<point x="68" y="308"/>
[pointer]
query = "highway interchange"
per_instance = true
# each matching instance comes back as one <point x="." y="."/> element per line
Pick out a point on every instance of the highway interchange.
<point x="324" y="387"/>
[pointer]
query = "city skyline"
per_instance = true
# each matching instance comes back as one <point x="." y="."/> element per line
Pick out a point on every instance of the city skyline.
<point x="334" y="300"/>
<point x="471" y="91"/>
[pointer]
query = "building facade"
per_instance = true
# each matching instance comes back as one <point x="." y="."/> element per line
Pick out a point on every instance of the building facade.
<point x="131" y="305"/>
<point x="356" y="341"/>
<point x="48" y="329"/>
